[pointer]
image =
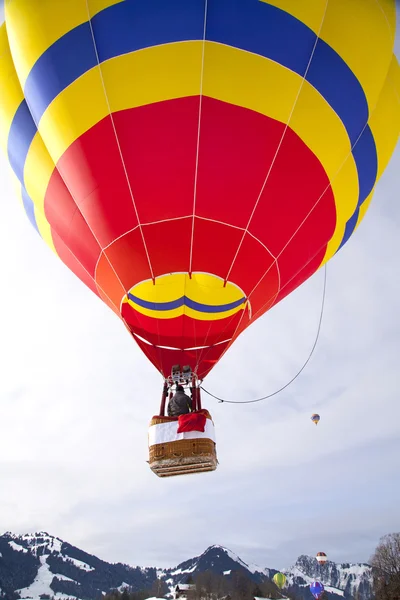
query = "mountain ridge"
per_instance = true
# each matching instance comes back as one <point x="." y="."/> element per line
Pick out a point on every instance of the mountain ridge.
<point x="39" y="564"/>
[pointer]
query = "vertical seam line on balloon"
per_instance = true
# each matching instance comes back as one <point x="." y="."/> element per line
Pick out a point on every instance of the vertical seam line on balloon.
<point x="291" y="279"/>
<point x="41" y="211"/>
<point x="127" y="179"/>
<point x="336" y="174"/>
<point x="197" y="165"/>
<point x="262" y="244"/>
<point x="281" y="140"/>
<point x="251" y="316"/>
<point x="204" y="352"/>
<point x="200" y="353"/>
<point x="83" y="267"/>
<point x="386" y="19"/>
<point x="271" y="298"/>
<point x="327" y="187"/>
<point x="117" y="140"/>
<point x="198" y="134"/>
<point x="274" y="296"/>
<point x="393" y="85"/>
<point x="77" y="209"/>
<point x="232" y="339"/>
<point x="159" y="349"/>
<point x="249" y="310"/>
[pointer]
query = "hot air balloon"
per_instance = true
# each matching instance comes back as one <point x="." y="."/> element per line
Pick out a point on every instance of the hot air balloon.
<point x="195" y="162"/>
<point x="321" y="558"/>
<point x="279" y="579"/>
<point x="315" y="418"/>
<point x="316" y="588"/>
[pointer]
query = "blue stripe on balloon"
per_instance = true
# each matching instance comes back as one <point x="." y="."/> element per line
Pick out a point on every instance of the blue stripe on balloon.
<point x="67" y="59"/>
<point x="120" y="29"/>
<point x="29" y="208"/>
<point x="365" y="155"/>
<point x="350" y="226"/>
<point x="185" y="301"/>
<point x="366" y="158"/>
<point x="246" y="24"/>
<point x="22" y="132"/>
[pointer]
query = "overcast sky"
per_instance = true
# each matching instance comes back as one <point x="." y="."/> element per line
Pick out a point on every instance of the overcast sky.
<point x="76" y="395"/>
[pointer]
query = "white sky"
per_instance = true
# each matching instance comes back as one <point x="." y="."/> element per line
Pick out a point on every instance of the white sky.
<point x="76" y="395"/>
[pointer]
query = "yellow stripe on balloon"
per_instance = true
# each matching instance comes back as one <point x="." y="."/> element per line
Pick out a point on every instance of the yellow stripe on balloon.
<point x="170" y="71"/>
<point x="230" y="75"/>
<point x="11" y="92"/>
<point x="165" y="72"/>
<point x="310" y="13"/>
<point x="346" y="203"/>
<point x="73" y="112"/>
<point x="387" y="110"/>
<point x="361" y="31"/>
<point x="34" y="26"/>
<point x="37" y="173"/>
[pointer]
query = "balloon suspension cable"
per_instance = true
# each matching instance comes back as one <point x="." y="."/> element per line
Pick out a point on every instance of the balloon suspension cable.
<point x="297" y="374"/>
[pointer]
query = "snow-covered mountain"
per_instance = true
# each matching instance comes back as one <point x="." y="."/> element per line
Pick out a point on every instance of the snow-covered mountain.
<point x="39" y="565"/>
<point x="348" y="580"/>
<point x="217" y="559"/>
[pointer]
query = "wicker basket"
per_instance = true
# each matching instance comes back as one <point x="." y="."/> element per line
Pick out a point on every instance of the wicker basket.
<point x="182" y="457"/>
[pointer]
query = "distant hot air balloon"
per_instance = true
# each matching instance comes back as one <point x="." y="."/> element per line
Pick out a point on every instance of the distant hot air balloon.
<point x="315" y="418"/>
<point x="316" y="589"/>
<point x="321" y="558"/>
<point x="279" y="579"/>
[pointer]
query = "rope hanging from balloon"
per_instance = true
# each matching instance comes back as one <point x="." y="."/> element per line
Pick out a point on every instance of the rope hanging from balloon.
<point x="297" y="374"/>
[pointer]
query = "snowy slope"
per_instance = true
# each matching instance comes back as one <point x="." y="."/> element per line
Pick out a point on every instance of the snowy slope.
<point x="36" y="564"/>
<point x="41" y="584"/>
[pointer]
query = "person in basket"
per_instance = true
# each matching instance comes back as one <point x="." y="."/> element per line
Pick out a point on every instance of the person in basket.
<point x="180" y="403"/>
